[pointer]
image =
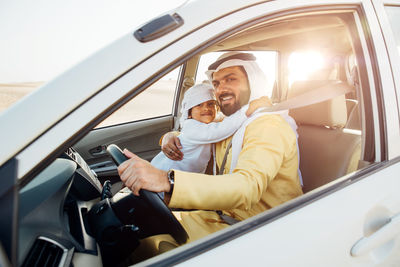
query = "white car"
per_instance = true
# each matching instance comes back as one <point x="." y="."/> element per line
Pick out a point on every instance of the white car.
<point x="53" y="143"/>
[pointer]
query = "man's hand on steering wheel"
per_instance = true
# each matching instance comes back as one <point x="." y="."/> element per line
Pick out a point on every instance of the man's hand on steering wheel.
<point x="140" y="175"/>
<point x="137" y="174"/>
<point x="171" y="146"/>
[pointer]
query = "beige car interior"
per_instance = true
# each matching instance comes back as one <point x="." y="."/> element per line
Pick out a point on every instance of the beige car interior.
<point x="330" y="132"/>
<point x="328" y="150"/>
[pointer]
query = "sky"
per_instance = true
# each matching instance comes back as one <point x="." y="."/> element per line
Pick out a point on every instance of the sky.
<point x="40" y="39"/>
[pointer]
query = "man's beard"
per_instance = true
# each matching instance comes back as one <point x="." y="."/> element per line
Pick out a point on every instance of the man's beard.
<point x="230" y="109"/>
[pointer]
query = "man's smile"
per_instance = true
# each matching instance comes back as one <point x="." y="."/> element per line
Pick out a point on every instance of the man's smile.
<point x="226" y="98"/>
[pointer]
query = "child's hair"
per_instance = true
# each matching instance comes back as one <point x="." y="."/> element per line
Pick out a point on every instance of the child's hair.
<point x="195" y="95"/>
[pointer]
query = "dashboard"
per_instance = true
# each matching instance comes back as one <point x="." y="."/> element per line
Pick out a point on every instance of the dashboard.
<point x="52" y="210"/>
<point x="87" y="186"/>
<point x="63" y="212"/>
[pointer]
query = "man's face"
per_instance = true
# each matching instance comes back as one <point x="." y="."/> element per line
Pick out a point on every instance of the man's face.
<point x="231" y="89"/>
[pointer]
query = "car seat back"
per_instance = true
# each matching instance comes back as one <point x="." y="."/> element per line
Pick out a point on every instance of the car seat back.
<point x="327" y="149"/>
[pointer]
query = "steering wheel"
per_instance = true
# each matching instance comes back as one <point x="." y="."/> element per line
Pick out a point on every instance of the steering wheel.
<point x="173" y="227"/>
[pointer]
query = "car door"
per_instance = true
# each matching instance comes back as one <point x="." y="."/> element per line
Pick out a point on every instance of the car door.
<point x="352" y="221"/>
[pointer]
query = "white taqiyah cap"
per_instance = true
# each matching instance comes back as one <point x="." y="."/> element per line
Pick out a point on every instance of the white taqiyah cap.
<point x="195" y="95"/>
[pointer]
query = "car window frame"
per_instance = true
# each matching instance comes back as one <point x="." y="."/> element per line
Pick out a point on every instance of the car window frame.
<point x="391" y="50"/>
<point x="173" y="111"/>
<point x="386" y="75"/>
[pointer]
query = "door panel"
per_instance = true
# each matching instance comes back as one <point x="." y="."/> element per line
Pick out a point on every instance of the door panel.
<point x="323" y="232"/>
<point x="141" y="137"/>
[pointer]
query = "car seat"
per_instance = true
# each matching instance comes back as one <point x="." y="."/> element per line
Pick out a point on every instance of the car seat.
<point x="327" y="149"/>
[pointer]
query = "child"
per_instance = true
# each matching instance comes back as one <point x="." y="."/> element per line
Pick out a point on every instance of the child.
<point x="199" y="131"/>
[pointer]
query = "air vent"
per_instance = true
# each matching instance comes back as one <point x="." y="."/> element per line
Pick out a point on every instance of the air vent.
<point x="46" y="252"/>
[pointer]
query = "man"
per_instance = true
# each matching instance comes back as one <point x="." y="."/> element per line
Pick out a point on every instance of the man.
<point x="261" y="169"/>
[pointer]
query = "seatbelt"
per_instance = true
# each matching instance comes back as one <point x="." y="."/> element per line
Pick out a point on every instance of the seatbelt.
<point x="226" y="218"/>
<point x="221" y="170"/>
<point x="314" y="96"/>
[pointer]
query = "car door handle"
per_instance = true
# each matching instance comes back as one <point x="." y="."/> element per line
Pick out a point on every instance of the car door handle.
<point x="384" y="234"/>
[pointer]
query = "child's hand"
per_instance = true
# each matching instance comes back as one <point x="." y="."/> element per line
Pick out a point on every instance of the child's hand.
<point x="263" y="101"/>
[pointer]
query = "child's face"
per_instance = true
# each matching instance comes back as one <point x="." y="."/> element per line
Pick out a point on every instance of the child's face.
<point x="204" y="112"/>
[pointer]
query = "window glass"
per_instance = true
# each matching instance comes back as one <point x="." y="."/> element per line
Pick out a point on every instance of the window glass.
<point x="265" y="59"/>
<point x="393" y="13"/>
<point x="155" y="101"/>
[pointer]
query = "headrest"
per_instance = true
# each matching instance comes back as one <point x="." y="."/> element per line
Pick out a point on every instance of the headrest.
<point x="331" y="113"/>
